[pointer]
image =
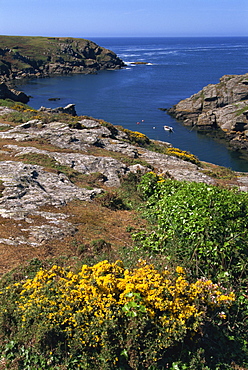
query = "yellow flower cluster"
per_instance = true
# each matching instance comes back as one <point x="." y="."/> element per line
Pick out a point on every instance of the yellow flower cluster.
<point x="136" y="136"/>
<point x="18" y="107"/>
<point x="182" y="154"/>
<point x="108" y="290"/>
<point x="29" y="110"/>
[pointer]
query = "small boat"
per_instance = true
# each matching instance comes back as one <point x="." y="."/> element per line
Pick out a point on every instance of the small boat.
<point x="168" y="128"/>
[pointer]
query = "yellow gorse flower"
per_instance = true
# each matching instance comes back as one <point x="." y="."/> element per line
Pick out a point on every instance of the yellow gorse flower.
<point x="182" y="154"/>
<point x="78" y="302"/>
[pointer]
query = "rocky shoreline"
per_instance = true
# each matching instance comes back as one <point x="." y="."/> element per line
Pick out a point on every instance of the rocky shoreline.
<point x="22" y="58"/>
<point x="28" y="187"/>
<point x="221" y="107"/>
<point x="48" y="160"/>
<point x="43" y="162"/>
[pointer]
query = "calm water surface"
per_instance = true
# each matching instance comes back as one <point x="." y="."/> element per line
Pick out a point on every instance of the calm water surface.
<point x="178" y="68"/>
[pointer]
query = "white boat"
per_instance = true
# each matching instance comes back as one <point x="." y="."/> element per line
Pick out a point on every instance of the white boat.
<point x="168" y="128"/>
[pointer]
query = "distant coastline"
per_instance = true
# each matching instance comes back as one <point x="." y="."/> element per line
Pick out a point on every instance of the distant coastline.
<point x="180" y="67"/>
<point x="24" y="57"/>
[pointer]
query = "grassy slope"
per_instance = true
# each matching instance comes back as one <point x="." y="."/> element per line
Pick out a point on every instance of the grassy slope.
<point x="44" y="50"/>
<point x="93" y="220"/>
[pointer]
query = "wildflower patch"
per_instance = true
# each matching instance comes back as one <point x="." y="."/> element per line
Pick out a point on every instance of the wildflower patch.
<point x="114" y="313"/>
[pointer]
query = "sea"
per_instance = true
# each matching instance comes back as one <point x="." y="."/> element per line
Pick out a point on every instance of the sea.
<point x="174" y="69"/>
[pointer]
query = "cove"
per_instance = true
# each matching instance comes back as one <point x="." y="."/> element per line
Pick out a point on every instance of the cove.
<point x="131" y="97"/>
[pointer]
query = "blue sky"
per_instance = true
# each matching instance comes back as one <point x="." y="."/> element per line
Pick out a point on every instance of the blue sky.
<point x="95" y="18"/>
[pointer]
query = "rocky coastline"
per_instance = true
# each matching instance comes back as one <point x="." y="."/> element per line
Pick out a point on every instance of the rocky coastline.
<point x="55" y="160"/>
<point x="54" y="164"/>
<point x="218" y="109"/>
<point x="22" y="58"/>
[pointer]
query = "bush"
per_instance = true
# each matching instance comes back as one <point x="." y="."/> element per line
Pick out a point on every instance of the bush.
<point x="182" y="154"/>
<point x="136" y="137"/>
<point x="202" y="226"/>
<point x="106" y="316"/>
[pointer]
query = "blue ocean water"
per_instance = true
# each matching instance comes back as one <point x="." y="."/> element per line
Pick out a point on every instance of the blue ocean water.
<point x="176" y="69"/>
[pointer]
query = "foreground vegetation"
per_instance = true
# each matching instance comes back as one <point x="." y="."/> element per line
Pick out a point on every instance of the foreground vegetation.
<point x="175" y="298"/>
<point x="178" y="302"/>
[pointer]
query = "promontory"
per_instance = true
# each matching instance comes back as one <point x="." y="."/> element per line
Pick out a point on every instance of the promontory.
<point x="27" y="56"/>
<point x="221" y="107"/>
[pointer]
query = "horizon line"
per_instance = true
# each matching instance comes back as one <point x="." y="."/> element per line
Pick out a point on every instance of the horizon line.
<point x="140" y="36"/>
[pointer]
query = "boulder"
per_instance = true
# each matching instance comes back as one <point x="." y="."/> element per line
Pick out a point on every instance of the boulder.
<point x="69" y="109"/>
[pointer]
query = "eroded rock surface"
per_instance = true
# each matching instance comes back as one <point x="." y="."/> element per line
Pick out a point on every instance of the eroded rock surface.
<point x="222" y="106"/>
<point x="86" y="164"/>
<point x="28" y="188"/>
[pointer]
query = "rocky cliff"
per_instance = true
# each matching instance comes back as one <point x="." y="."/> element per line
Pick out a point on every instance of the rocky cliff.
<point x="22" y="57"/>
<point x="54" y="166"/>
<point x="8" y="93"/>
<point x="223" y="106"/>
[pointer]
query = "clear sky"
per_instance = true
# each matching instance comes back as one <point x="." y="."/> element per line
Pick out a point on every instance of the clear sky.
<point x="95" y="18"/>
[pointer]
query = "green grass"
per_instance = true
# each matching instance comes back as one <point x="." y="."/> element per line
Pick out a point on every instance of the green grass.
<point x="32" y="52"/>
<point x="242" y="110"/>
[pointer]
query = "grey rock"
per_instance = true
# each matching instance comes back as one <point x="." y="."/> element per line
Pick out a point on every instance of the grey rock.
<point x="28" y="187"/>
<point x="61" y="135"/>
<point x="175" y="167"/>
<point x="6" y="110"/>
<point x="89" y="123"/>
<point x="43" y="233"/>
<point x="86" y="164"/>
<point x="64" y="137"/>
<point x="69" y="109"/>
<point x="222" y="106"/>
<point x="243" y="182"/>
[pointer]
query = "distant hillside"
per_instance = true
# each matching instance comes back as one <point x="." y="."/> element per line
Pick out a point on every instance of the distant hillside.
<point x="25" y="56"/>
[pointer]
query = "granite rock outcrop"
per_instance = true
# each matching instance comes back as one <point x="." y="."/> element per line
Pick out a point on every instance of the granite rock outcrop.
<point x="222" y="106"/>
<point x="40" y="160"/>
<point x="28" y="188"/>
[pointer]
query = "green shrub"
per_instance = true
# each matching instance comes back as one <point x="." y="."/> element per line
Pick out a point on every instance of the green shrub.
<point x="205" y="229"/>
<point x="105" y="316"/>
<point x="183" y="154"/>
<point x="202" y="226"/>
<point x="136" y="137"/>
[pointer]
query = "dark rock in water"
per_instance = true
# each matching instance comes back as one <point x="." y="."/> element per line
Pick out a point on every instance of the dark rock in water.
<point x="7" y="93"/>
<point x="53" y="99"/>
<point x="137" y="63"/>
